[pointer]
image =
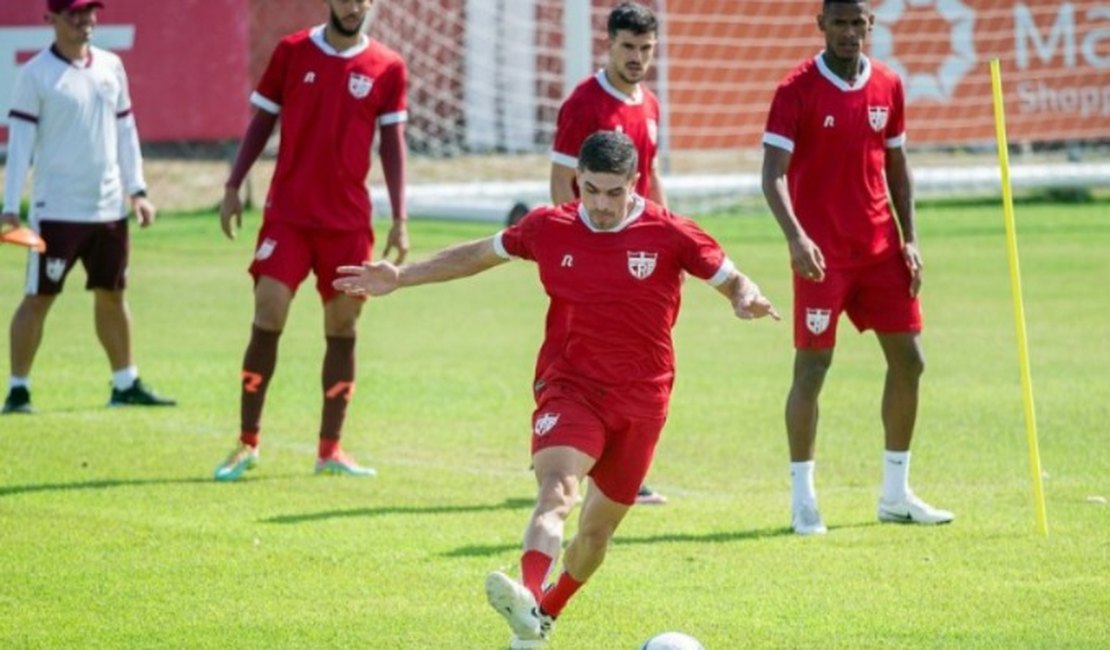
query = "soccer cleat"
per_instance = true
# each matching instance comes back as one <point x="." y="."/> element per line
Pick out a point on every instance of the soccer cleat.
<point x="341" y="463"/>
<point x="243" y="458"/>
<point x="649" y="497"/>
<point x="18" y="401"/>
<point x="138" y="395"/>
<point x="912" y="510"/>
<point x="517" y="605"/>
<point x="806" y="519"/>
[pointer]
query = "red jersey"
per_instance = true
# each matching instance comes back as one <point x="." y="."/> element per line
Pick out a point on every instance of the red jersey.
<point x="330" y="104"/>
<point x="838" y="135"/>
<point x="596" y="105"/>
<point x="614" y="295"/>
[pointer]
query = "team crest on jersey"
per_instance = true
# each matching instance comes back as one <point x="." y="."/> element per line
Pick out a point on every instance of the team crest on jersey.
<point x="359" y="85"/>
<point x="817" y="320"/>
<point x="55" y="268"/>
<point x="545" y="423"/>
<point x="877" y="116"/>
<point x="641" y="264"/>
<point x="653" y="131"/>
<point x="265" y="249"/>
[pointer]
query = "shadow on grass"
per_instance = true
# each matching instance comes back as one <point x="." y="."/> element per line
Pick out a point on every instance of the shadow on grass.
<point x="104" y="484"/>
<point x="507" y="504"/>
<point x="720" y="537"/>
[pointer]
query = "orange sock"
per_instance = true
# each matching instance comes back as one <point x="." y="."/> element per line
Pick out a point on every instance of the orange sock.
<point x="534" y="567"/>
<point x="556" y="598"/>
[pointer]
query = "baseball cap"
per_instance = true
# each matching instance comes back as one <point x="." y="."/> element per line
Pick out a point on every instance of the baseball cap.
<point x="58" y="6"/>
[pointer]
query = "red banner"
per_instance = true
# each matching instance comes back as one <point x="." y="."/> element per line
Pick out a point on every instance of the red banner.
<point x="187" y="61"/>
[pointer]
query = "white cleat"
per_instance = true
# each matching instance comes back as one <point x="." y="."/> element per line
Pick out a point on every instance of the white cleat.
<point x="912" y="510"/>
<point x="517" y="605"/>
<point x="806" y="519"/>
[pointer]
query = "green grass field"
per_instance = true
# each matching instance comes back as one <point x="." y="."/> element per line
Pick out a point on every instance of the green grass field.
<point x="112" y="534"/>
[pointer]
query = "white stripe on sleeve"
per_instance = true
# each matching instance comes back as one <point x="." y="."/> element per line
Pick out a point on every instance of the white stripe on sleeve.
<point x="265" y="104"/>
<point x="723" y="274"/>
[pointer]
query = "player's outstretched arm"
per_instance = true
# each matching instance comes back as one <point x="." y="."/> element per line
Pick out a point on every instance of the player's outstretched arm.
<point x="453" y="262"/>
<point x="748" y="302"/>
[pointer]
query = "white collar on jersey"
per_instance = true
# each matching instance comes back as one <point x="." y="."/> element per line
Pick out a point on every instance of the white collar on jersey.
<point x="634" y="99"/>
<point x="635" y="213"/>
<point x="861" y="80"/>
<point x="317" y="35"/>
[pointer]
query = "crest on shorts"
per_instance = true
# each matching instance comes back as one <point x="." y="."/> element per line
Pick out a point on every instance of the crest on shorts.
<point x="817" y="320"/>
<point x="265" y="249"/>
<point x="55" y="268"/>
<point x="653" y="131"/>
<point x="359" y="85"/>
<point x="641" y="264"/>
<point x="545" y="423"/>
<point x="877" y="116"/>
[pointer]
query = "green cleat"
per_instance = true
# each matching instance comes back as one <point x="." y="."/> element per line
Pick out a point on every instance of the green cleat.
<point x="243" y="458"/>
<point x="341" y="463"/>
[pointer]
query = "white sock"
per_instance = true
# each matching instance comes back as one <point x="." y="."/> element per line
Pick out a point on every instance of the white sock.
<point x="122" y="379"/>
<point x="801" y="480"/>
<point x="19" y="382"/>
<point x="896" y="475"/>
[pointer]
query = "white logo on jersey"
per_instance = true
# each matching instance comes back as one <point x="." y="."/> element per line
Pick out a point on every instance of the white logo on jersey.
<point x="829" y="121"/>
<point x="877" y="116"/>
<point x="817" y="320"/>
<point x="545" y="423"/>
<point x="653" y="131"/>
<point x="265" y="249"/>
<point x="309" y="77"/>
<point x="568" y="261"/>
<point x="939" y="85"/>
<point x="55" y="268"/>
<point x="359" y="85"/>
<point x="641" y="264"/>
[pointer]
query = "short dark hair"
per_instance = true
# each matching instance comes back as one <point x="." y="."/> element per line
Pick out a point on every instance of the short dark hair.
<point x="632" y="17"/>
<point x="609" y="152"/>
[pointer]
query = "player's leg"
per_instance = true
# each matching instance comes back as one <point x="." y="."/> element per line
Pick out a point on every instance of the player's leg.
<point x="281" y="262"/>
<point x="883" y="303"/>
<point x="44" y="281"/>
<point x="559" y="470"/>
<point x="341" y="314"/>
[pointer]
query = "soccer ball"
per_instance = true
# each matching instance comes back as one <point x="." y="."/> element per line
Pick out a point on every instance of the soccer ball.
<point x="672" y="641"/>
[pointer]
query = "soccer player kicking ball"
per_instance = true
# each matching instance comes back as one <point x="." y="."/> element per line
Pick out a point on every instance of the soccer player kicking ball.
<point x="612" y="263"/>
<point x="833" y="154"/>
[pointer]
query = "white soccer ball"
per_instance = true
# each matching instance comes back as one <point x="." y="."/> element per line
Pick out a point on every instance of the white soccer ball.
<point x="672" y="641"/>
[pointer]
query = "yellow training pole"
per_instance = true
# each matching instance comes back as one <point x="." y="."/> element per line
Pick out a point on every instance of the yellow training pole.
<point x="1019" y="307"/>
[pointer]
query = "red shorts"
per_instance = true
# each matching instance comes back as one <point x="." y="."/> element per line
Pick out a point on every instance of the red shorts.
<point x="875" y="297"/>
<point x="102" y="247"/>
<point x="287" y="253"/>
<point x="622" y="445"/>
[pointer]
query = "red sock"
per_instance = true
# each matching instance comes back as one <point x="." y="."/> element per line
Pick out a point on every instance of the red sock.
<point x="534" y="567"/>
<point x="556" y="598"/>
<point x="249" y="438"/>
<point x="327" y="448"/>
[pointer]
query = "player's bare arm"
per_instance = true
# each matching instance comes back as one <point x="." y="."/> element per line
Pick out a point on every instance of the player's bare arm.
<point x="453" y="262"/>
<point x="562" y="184"/>
<point x="748" y="302"/>
<point x="805" y="257"/>
<point x="657" y="193"/>
<point x="393" y="154"/>
<point x="900" y="183"/>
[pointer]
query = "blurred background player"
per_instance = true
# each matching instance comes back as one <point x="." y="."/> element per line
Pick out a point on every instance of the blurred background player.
<point x="615" y="99"/>
<point x="333" y="87"/>
<point x="71" y="118"/>
<point x="833" y="163"/>
<point x="617" y="262"/>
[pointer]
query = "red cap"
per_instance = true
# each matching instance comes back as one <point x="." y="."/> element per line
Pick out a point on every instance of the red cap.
<point x="58" y="6"/>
